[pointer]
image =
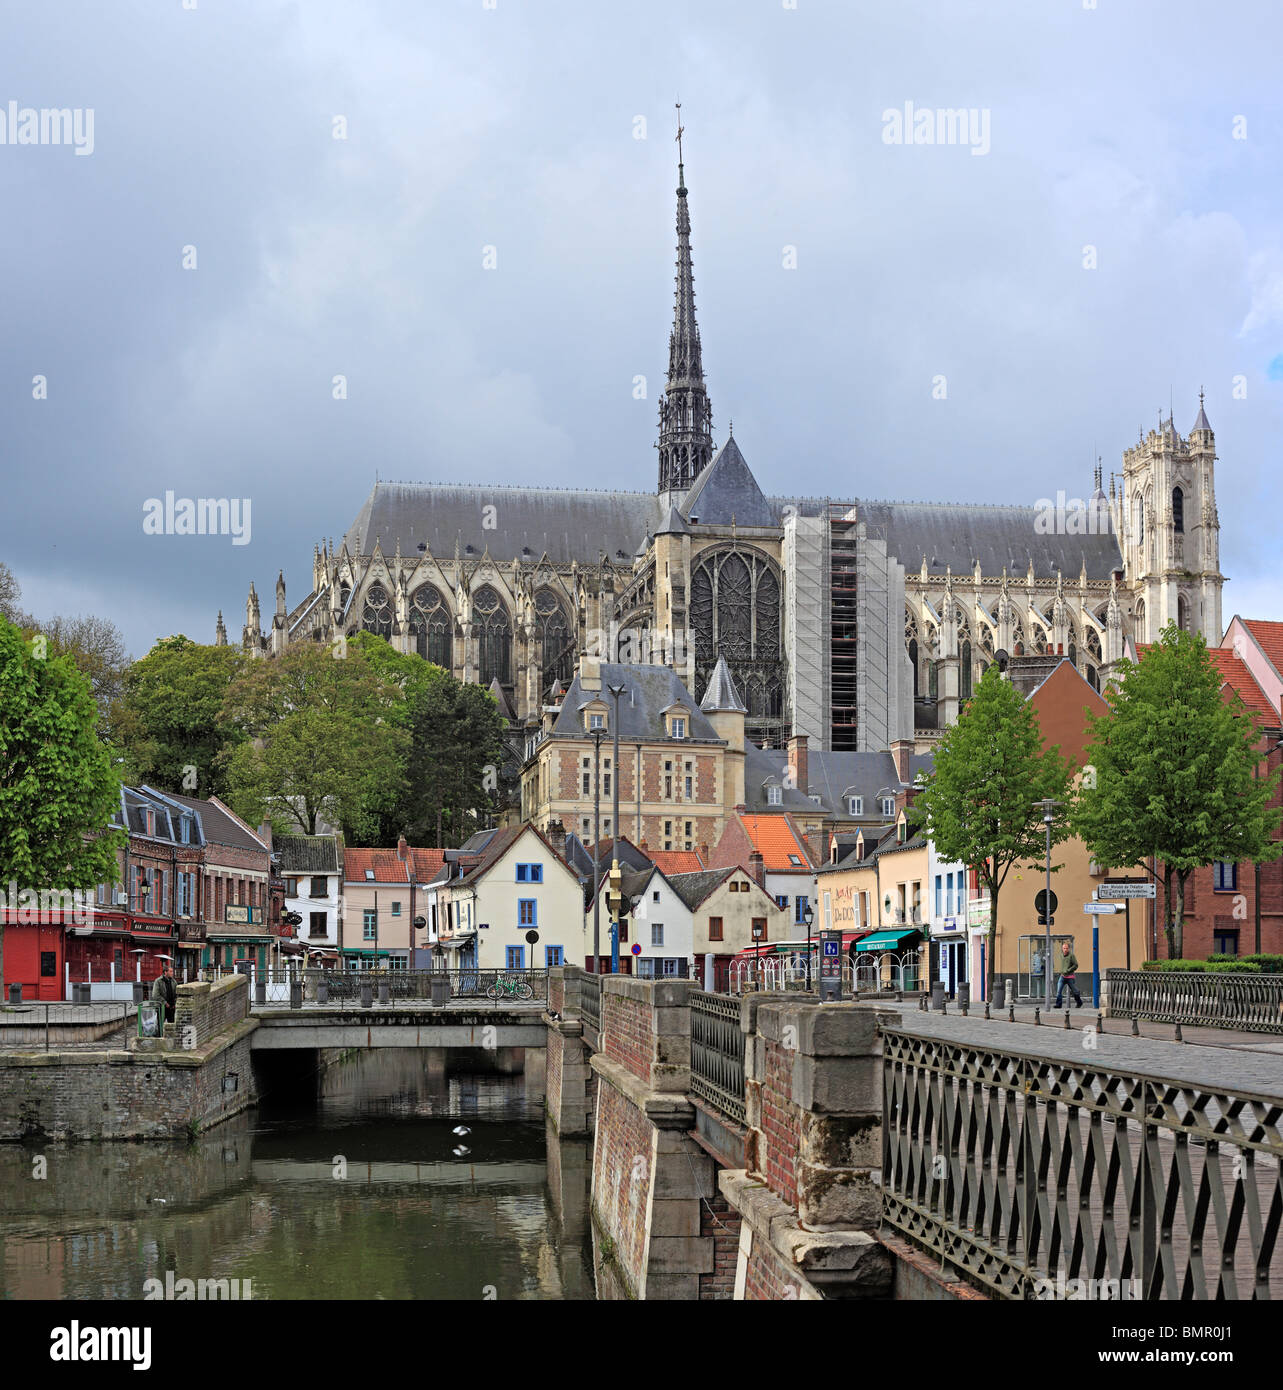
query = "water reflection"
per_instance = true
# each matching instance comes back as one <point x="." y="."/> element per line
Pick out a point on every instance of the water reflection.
<point x="351" y="1189"/>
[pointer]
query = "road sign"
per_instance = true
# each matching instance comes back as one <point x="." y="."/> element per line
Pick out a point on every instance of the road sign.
<point x="636" y="948"/>
<point x="1040" y="902"/>
<point x="532" y="937"/>
<point x="832" y="948"/>
<point x="1113" y="891"/>
<point x="1100" y="909"/>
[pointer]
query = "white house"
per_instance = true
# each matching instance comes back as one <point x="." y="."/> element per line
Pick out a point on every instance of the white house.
<point x="659" y="938"/>
<point x="507" y="900"/>
<point x="312" y="869"/>
<point x="946" y="912"/>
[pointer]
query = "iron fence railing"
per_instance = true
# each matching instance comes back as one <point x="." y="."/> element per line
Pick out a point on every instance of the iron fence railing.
<point x="590" y="1000"/>
<point x="1029" y="1173"/>
<point x="1253" y="1003"/>
<point x="717" y="1052"/>
<point x="395" y="986"/>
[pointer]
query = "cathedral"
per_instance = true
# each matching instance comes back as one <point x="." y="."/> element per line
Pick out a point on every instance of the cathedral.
<point x="856" y="623"/>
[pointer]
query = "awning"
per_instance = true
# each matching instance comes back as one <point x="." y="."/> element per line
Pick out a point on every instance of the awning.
<point x="884" y="940"/>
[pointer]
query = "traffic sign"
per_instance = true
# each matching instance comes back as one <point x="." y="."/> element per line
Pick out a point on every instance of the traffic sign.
<point x="1114" y="891"/>
<point x="1100" y="909"/>
<point x="636" y="948"/>
<point x="832" y="948"/>
<point x="1040" y="902"/>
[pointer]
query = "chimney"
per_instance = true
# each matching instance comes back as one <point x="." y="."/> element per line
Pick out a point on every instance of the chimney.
<point x="901" y="752"/>
<point x="642" y="845"/>
<point x="757" y="868"/>
<point x="265" y="833"/>
<point x="703" y="853"/>
<point x="402" y="849"/>
<point x="556" y="835"/>
<point x="798" y="764"/>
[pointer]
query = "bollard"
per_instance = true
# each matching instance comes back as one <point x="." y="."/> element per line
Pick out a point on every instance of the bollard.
<point x="998" y="998"/>
<point x="1037" y="1018"/>
<point x="944" y="1006"/>
<point x="296" y="994"/>
<point x="937" y="996"/>
<point x="323" y="991"/>
<point x="1100" y="1023"/>
<point x="1135" y="1026"/>
<point x="1066" y="1019"/>
<point x="964" y="993"/>
<point x="383" y="991"/>
<point x="1011" y="1013"/>
<point x="1180" y="1037"/>
<point x="965" y="1008"/>
<point x="987" y="1014"/>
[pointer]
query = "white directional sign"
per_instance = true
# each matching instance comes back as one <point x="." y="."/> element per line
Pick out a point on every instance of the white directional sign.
<point x="1100" y="909"/>
<point x="1114" y="891"/>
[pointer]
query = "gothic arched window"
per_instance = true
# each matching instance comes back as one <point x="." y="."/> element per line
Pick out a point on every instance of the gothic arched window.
<point x="377" y="614"/>
<point x="1093" y="679"/>
<point x="430" y="623"/>
<point x="933" y="680"/>
<point x="1182" y="613"/>
<point x="767" y="645"/>
<point x="556" y="647"/>
<point x="1093" y="642"/>
<point x="1073" y="652"/>
<point x="913" y="661"/>
<point x="735" y="608"/>
<point x="1178" y="511"/>
<point x="494" y="635"/>
<point x="966" y="670"/>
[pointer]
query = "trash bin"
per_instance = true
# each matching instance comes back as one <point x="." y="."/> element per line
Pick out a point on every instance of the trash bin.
<point x="964" y="994"/>
<point x="15" y="994"/>
<point x="998" y="1000"/>
<point x="439" y="988"/>
<point x="81" y="994"/>
<point x="323" y="991"/>
<point x="937" y="995"/>
<point x="260" y="990"/>
<point x="367" y="996"/>
<point x="383" y="991"/>
<point x="296" y="994"/>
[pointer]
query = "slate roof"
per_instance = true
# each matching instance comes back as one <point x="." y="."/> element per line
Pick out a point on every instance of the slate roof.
<point x="763" y="766"/>
<point x="307" y="854"/>
<point x="721" y="693"/>
<point x="222" y="825"/>
<point x="835" y="776"/>
<point x="727" y="490"/>
<point x="692" y="889"/>
<point x="505" y="709"/>
<point x="567" y="524"/>
<point x="649" y="690"/>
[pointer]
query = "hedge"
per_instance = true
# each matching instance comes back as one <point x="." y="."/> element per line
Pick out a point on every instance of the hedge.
<point x="1216" y="965"/>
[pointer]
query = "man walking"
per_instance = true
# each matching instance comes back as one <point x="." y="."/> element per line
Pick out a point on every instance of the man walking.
<point x="1068" y="971"/>
<point x="165" y="991"/>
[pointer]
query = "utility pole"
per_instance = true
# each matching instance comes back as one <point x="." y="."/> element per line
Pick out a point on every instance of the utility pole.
<point x="1048" y="816"/>
<point x="596" y="854"/>
<point x="616" y="691"/>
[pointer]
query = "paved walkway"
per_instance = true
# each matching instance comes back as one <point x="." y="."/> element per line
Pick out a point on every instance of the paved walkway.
<point x="1268" y="1043"/>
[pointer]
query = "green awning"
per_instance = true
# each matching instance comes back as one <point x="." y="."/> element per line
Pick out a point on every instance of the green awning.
<point x="884" y="940"/>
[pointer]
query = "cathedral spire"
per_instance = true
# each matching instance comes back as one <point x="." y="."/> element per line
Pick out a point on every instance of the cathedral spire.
<point x="685" y="414"/>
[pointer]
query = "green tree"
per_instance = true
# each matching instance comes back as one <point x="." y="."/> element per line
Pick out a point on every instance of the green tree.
<point x="978" y="806"/>
<point x="1173" y="774"/>
<point x="324" y="735"/>
<point x="169" y="721"/>
<point x="58" y="788"/>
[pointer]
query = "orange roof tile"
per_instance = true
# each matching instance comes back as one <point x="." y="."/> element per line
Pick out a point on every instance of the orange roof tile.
<point x="387" y="867"/>
<point x="1235" y="674"/>
<point x="676" y="861"/>
<point x="427" y="864"/>
<point x="775" y="838"/>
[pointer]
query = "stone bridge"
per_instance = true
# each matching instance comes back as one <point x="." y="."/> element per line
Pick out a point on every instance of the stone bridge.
<point x="472" y="1024"/>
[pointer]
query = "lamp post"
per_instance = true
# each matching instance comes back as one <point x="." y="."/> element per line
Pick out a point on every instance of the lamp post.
<point x="616" y="691"/>
<point x="596" y="853"/>
<point x="1048" y="817"/>
<point x="808" y="916"/>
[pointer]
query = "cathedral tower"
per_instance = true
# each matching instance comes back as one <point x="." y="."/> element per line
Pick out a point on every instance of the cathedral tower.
<point x="1170" y="532"/>
<point x="685" y="413"/>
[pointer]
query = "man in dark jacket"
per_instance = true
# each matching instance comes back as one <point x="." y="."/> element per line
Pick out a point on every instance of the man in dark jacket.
<point x="165" y="991"/>
<point x="1068" y="971"/>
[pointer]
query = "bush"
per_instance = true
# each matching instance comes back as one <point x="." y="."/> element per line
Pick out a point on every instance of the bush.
<point x="1234" y="967"/>
<point x="1219" y="964"/>
<point x="1270" y="964"/>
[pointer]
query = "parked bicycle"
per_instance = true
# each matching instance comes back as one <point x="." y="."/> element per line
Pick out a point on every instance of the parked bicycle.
<point x="501" y="987"/>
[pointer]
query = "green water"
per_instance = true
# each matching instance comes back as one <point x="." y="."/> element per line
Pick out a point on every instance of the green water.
<point x="352" y="1193"/>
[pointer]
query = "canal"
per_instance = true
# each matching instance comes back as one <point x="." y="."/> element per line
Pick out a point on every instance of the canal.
<point x="351" y="1185"/>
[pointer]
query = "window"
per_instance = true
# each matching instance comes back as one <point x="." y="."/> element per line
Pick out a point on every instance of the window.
<point x="319" y="886"/>
<point x="781" y="900"/>
<point x="605" y="784"/>
<point x="668" y="785"/>
<point x="775" y="796"/>
<point x="1224" y="876"/>
<point x="186" y="894"/>
<point x="527" y="912"/>
<point x="396" y="908"/>
<point x="888" y="805"/>
<point x="855" y="805"/>
<point x="369" y="875"/>
<point x="514" y="958"/>
<point x="690" y="787"/>
<point x="655" y="895"/>
<point x="316" y="924"/>
<point x="679" y="727"/>
<point x="656" y="933"/>
<point x="368" y="924"/>
<point x="587" y="784"/>
<point x="714" y="928"/>
<point x="291" y="888"/>
<point x="761" y="932"/>
<point x="948" y="895"/>
<point x="553" y="956"/>
<point x="1225" y="941"/>
<point x="939" y="895"/>
<point x="795" y="860"/>
<point x="1178" y="511"/>
<point x="596" y="721"/>
<point x="529" y="873"/>
<point x="800" y="908"/>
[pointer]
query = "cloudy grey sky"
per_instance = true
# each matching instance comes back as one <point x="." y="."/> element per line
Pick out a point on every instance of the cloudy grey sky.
<point x="1112" y="125"/>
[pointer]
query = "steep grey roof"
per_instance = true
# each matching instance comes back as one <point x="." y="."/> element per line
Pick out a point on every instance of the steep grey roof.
<point x="649" y="690"/>
<point x="956" y="535"/>
<point x="1201" y="422"/>
<point x="727" y="490"/>
<point x="837" y="775"/>
<point x="307" y="854"/>
<point x="692" y="889"/>
<point x="763" y="765"/>
<point x="222" y="827"/>
<point x="568" y="524"/>
<point x="721" y="693"/>
<point x="673" y="524"/>
<point x="505" y="709"/>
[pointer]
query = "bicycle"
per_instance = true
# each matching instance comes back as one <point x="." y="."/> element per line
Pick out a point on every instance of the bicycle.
<point x="503" y="988"/>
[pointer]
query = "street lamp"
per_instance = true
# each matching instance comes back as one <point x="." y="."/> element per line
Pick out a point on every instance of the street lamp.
<point x="596" y="854"/>
<point x="808" y="916"/>
<point x="1048" y="818"/>
<point x="616" y="691"/>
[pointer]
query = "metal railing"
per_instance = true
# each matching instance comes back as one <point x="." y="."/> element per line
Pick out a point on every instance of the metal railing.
<point x="396" y="986"/>
<point x="717" y="1052"/>
<point x="1253" y="1003"/>
<point x="44" y="1024"/>
<point x="590" y="1000"/>
<point x="1029" y="1172"/>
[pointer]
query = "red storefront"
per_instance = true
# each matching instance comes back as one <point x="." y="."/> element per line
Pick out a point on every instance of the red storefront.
<point x="33" y="957"/>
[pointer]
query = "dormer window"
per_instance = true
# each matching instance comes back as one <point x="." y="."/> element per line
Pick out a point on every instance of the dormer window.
<point x="678" y="726"/>
<point x="596" y="721"/>
<point x="888" y="805"/>
<point x="855" y="805"/>
<point x="775" y="796"/>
